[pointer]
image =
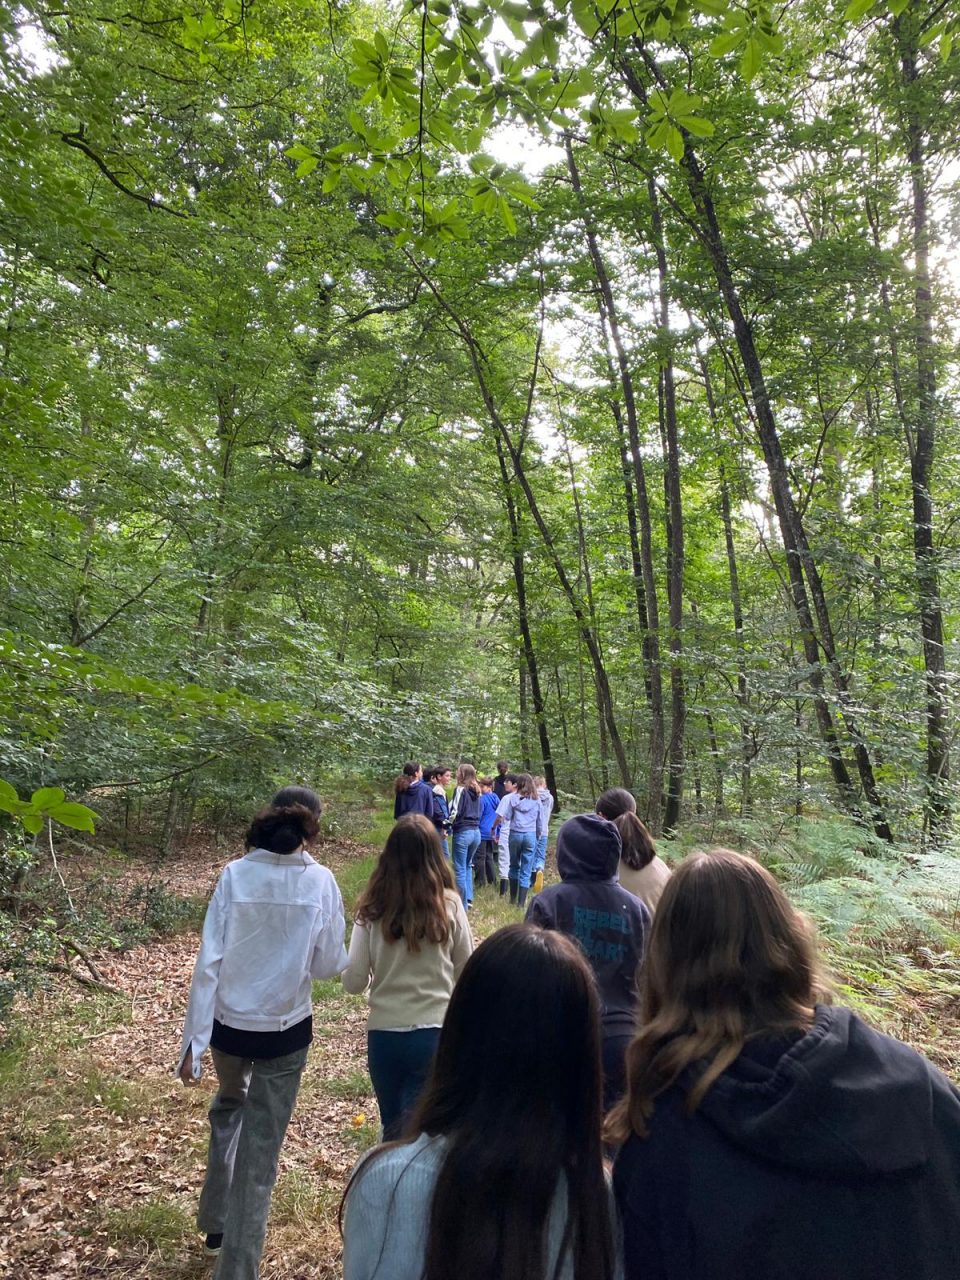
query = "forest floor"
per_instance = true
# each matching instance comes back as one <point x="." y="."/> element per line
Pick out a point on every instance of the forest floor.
<point x="102" y="1150"/>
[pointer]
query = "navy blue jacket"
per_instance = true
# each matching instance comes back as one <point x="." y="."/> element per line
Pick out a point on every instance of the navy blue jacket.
<point x="610" y="924"/>
<point x="417" y="798"/>
<point x="441" y="810"/>
<point x="832" y="1155"/>
<point x="469" y="809"/>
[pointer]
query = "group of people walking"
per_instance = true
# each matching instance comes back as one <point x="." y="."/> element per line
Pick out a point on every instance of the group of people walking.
<point x="676" y="1022"/>
<point x="497" y="825"/>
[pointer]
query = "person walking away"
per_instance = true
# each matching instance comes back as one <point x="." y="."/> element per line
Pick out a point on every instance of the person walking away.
<point x="610" y="924"/>
<point x="274" y="923"/>
<point x="411" y="793"/>
<point x="642" y="870"/>
<point x="540" y="858"/>
<point x="500" y="1176"/>
<point x="410" y="940"/>
<point x="503" y="785"/>
<point x="521" y="809"/>
<point x="465" y="813"/>
<point x="767" y="1133"/>
<point x="438" y="779"/>
<point x="484" y="866"/>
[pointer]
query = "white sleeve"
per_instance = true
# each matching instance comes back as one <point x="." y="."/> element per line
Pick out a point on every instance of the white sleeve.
<point x="198" y="1026"/>
<point x="329" y="954"/>
<point x="503" y="808"/>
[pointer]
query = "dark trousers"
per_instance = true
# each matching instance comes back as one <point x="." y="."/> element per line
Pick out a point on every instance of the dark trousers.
<point x="614" y="1048"/>
<point x="485" y="863"/>
<point x="399" y="1063"/>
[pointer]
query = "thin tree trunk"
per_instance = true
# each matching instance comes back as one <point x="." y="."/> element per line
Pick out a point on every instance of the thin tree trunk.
<point x="674" y="512"/>
<point x="923" y="448"/>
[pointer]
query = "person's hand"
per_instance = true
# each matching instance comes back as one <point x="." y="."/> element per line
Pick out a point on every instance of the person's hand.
<point x="186" y="1068"/>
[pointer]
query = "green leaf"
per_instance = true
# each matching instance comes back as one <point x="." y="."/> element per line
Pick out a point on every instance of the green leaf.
<point x="8" y="795"/>
<point x="77" y="816"/>
<point x="751" y="60"/>
<point x="392" y="219"/>
<point x="46" y="798"/>
<point x="724" y="43"/>
<point x="946" y="44"/>
<point x="696" y="125"/>
<point x="32" y="822"/>
<point x="298" y="152"/>
<point x="897" y="7"/>
<point x="584" y="15"/>
<point x="506" y="216"/>
<point x="306" y="166"/>
<point x="675" y="143"/>
<point x="857" y="9"/>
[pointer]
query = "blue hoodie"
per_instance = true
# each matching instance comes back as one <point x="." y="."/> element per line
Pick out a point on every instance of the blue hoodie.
<point x="489" y="811"/>
<point x="417" y="798"/>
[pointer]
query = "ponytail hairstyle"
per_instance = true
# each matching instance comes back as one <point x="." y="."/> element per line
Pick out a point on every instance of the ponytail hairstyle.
<point x="612" y="803"/>
<point x="525" y="785"/>
<point x="467" y="777"/>
<point x="283" y="828"/>
<point x="637" y="847"/>
<point x="406" y="892"/>
<point x="406" y="776"/>
<point x="729" y="958"/>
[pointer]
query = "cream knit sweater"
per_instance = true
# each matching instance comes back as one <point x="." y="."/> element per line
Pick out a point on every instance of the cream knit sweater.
<point x="408" y="988"/>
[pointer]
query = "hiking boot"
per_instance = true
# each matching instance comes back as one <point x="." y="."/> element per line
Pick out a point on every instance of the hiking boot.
<point x="504" y="885"/>
<point x="513" y="891"/>
<point x="522" y="898"/>
<point x="537" y="881"/>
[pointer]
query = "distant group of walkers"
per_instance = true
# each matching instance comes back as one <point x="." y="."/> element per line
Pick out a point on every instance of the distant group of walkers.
<point x="674" y="1021"/>
<point x="498" y="826"/>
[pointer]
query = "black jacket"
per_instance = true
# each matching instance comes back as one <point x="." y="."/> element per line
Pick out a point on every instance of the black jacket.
<point x="831" y="1156"/>
<point x="610" y="924"/>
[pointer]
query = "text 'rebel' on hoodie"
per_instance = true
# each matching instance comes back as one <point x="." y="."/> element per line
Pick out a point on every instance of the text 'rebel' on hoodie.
<point x="610" y="924"/>
<point x="834" y="1155"/>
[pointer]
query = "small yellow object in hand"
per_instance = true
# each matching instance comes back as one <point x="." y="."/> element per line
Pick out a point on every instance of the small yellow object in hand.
<point x="359" y="1120"/>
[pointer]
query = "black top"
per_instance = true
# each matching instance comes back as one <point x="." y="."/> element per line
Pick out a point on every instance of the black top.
<point x="831" y="1156"/>
<point x="499" y="790"/>
<point x="262" y="1044"/>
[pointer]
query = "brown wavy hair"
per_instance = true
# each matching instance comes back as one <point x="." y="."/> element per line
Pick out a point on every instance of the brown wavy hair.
<point x="406" y="777"/>
<point x="730" y="959"/>
<point x="637" y="848"/>
<point x="283" y="828"/>
<point x="407" y="892"/>
<point x="467" y="777"/>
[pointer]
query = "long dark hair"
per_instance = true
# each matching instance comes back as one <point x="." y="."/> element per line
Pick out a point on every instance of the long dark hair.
<point x="729" y="958"/>
<point x="515" y="1090"/>
<point x="298" y="795"/>
<point x="406" y="776"/>
<point x="637" y="849"/>
<point x="406" y="891"/>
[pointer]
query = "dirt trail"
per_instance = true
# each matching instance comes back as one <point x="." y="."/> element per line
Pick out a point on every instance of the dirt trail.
<point x="103" y="1150"/>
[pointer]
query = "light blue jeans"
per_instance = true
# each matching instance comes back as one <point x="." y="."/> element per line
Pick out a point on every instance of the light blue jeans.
<point x="248" y="1120"/>
<point x="523" y="850"/>
<point x="540" y="858"/>
<point x="465" y="842"/>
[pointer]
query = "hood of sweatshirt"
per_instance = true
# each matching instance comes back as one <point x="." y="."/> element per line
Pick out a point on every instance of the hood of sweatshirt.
<point x="841" y="1099"/>
<point x="588" y="848"/>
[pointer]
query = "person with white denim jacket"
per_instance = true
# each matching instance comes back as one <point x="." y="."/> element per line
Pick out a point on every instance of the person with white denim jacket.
<point x="275" y="922"/>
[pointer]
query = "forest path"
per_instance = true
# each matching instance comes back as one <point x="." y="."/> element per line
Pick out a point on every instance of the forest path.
<point x="103" y="1149"/>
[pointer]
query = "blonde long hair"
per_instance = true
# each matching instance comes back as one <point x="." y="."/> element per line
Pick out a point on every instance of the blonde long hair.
<point x="729" y="959"/>
<point x="467" y="777"/>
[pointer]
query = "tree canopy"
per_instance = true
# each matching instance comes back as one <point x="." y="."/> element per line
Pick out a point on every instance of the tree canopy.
<point x="574" y="383"/>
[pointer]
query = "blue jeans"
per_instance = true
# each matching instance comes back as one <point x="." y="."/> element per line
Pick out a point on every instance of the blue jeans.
<point x="465" y="843"/>
<point x="540" y="858"/>
<point x="248" y="1120"/>
<point x="523" y="850"/>
<point x="399" y="1063"/>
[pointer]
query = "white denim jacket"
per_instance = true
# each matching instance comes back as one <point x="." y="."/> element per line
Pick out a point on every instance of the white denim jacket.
<point x="275" y="921"/>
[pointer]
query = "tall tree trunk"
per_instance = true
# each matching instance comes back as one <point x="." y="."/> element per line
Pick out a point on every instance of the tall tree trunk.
<point x="674" y="511"/>
<point x="801" y="567"/>
<point x="611" y="328"/>
<point x="529" y="653"/>
<point x="478" y="362"/>
<point x="922" y="442"/>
